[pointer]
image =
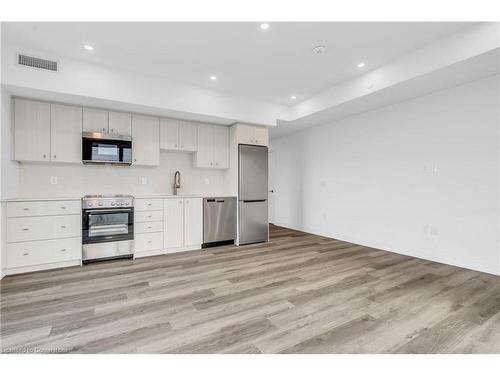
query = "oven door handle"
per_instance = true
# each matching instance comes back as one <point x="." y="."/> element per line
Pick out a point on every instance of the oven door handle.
<point x="108" y="211"/>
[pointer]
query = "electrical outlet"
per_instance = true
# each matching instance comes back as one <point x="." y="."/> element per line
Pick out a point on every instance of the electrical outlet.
<point x="144" y="180"/>
<point x="434" y="230"/>
<point x="207" y="181"/>
<point x="53" y="180"/>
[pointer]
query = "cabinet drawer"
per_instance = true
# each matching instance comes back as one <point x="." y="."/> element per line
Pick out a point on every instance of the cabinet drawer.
<point x="148" y="204"/>
<point x="147" y="216"/>
<point x="43" y="228"/>
<point x="24" y="209"/>
<point x="41" y="252"/>
<point x="153" y="226"/>
<point x="148" y="241"/>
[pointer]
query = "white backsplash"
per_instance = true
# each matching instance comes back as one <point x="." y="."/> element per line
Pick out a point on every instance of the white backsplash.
<point x="78" y="180"/>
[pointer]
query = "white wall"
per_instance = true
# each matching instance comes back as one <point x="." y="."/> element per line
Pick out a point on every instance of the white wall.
<point x="85" y="80"/>
<point x="419" y="178"/>
<point x="78" y="179"/>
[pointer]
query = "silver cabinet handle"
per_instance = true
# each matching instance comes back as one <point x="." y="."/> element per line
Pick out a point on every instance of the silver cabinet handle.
<point x="180" y="202"/>
<point x="63" y="250"/>
<point x="175" y="146"/>
<point x="150" y="227"/>
<point x="26" y="228"/>
<point x="26" y="209"/>
<point x="25" y="254"/>
<point x="63" y="207"/>
<point x="112" y="130"/>
<point x="149" y="216"/>
<point x="182" y="146"/>
<point x="44" y="156"/>
<point x="150" y="241"/>
<point x="149" y="204"/>
<point x="103" y="129"/>
<point x="55" y="156"/>
<point x="63" y="226"/>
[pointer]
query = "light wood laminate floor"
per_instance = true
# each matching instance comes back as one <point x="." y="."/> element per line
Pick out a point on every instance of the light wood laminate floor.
<point x="299" y="293"/>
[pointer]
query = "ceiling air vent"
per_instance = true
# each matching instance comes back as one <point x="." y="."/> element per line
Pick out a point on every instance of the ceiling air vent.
<point x="35" y="62"/>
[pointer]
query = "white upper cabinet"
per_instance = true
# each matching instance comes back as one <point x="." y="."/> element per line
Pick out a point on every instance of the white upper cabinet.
<point x="120" y="123"/>
<point x="178" y="135"/>
<point x="193" y="221"/>
<point x="213" y="147"/>
<point x="221" y="147"/>
<point x="205" y="155"/>
<point x="188" y="136"/>
<point x="31" y="130"/>
<point x="252" y="135"/>
<point x="145" y="140"/>
<point x="169" y="134"/>
<point x="95" y="120"/>
<point x="65" y="133"/>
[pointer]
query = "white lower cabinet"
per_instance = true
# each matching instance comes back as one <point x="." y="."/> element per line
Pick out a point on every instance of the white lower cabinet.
<point x="174" y="222"/>
<point x="145" y="242"/>
<point x="183" y="222"/>
<point x="43" y="228"/>
<point x="148" y="226"/>
<point x="34" y="253"/>
<point x="42" y="235"/>
<point x="176" y="226"/>
<point x="193" y="221"/>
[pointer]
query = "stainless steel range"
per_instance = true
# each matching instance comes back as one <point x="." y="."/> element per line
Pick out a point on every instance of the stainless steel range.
<point x="107" y="227"/>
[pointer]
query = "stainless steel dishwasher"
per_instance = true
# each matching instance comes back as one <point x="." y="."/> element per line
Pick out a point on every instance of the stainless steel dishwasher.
<point x="219" y="220"/>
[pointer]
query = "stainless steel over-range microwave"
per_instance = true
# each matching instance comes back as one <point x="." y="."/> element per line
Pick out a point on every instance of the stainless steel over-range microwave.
<point x="103" y="148"/>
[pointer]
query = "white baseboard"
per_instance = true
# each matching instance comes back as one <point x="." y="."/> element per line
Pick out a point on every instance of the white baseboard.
<point x="42" y="267"/>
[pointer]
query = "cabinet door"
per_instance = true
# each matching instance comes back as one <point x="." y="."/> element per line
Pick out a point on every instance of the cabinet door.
<point x="120" y="123"/>
<point x="65" y="133"/>
<point x="169" y="134"/>
<point x="261" y="136"/>
<point x="193" y="221"/>
<point x="173" y="222"/>
<point x="221" y="147"/>
<point x="205" y="154"/>
<point x="188" y="136"/>
<point x="95" y="120"/>
<point x="31" y="130"/>
<point x="246" y="134"/>
<point x="145" y="140"/>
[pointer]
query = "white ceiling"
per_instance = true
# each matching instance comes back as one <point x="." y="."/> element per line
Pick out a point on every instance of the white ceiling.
<point x="266" y="65"/>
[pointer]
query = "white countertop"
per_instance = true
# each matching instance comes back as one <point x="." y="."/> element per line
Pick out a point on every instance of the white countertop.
<point x="41" y="199"/>
<point x="138" y="196"/>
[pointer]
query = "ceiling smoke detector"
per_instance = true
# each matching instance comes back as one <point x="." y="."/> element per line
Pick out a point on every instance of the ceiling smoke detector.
<point x="319" y="49"/>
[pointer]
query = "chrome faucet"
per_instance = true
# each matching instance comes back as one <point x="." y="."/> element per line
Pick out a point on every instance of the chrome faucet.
<point x="177" y="181"/>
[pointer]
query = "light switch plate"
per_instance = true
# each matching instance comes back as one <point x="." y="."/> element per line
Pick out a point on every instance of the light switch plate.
<point x="207" y="181"/>
<point x="53" y="180"/>
<point x="144" y="180"/>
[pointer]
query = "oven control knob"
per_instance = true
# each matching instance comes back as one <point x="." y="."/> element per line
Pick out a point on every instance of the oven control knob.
<point x="113" y="203"/>
<point x="89" y="204"/>
<point x="100" y="203"/>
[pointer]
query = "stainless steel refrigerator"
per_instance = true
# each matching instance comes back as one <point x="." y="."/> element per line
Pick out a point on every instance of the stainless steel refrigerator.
<point x="252" y="194"/>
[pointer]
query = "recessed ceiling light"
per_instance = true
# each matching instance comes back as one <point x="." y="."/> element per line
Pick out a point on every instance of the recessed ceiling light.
<point x="360" y="65"/>
<point x="213" y="78"/>
<point x="264" y="26"/>
<point x="319" y="49"/>
<point x="88" y="47"/>
<point x="293" y="97"/>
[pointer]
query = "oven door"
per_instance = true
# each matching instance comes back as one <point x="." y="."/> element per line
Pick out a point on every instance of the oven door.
<point x="106" y="225"/>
